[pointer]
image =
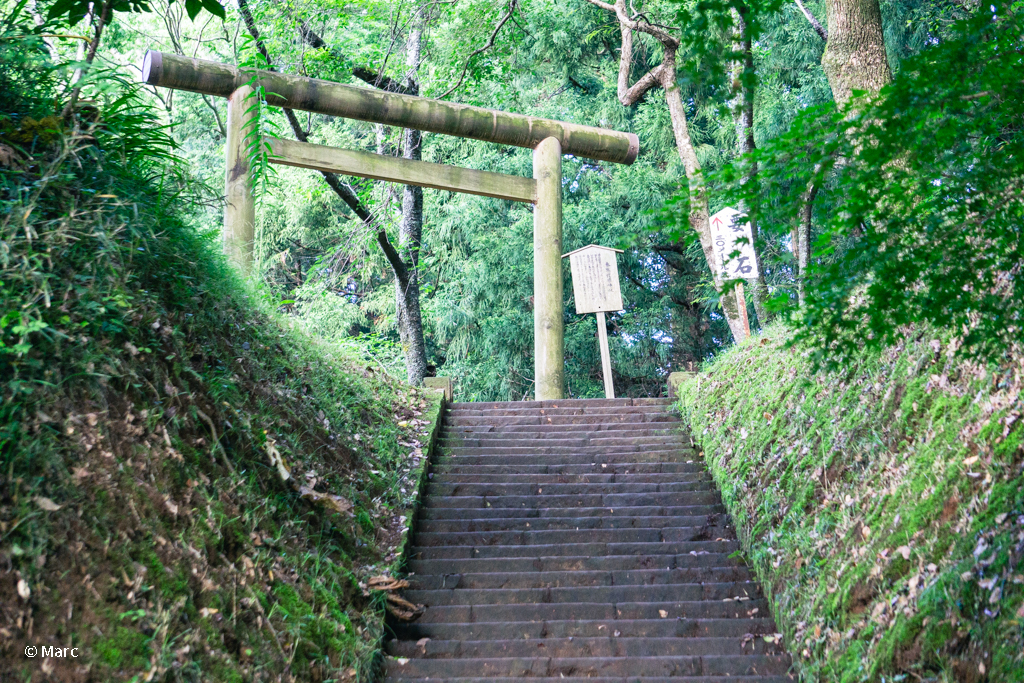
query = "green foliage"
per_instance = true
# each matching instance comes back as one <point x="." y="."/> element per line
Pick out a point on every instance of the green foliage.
<point x="882" y="507"/>
<point x="924" y="204"/>
<point x="259" y="127"/>
<point x="73" y="11"/>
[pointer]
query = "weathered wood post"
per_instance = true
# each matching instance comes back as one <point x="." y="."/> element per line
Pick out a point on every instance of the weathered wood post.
<point x="548" y="317"/>
<point x="239" y="231"/>
<point x="606" y="356"/>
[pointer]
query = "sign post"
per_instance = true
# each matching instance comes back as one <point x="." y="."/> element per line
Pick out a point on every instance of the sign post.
<point x="595" y="286"/>
<point x="726" y="231"/>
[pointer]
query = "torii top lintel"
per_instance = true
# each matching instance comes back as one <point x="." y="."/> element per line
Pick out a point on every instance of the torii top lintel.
<point x="393" y="109"/>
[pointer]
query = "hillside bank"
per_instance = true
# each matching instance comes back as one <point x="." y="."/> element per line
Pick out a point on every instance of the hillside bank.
<point x="191" y="488"/>
<point x="883" y="509"/>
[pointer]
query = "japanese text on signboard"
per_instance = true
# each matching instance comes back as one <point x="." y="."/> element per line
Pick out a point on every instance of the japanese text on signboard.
<point x="595" y="280"/>
<point x="726" y="235"/>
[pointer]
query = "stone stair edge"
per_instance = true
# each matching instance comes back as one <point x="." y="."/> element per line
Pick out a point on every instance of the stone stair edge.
<point x="566" y="402"/>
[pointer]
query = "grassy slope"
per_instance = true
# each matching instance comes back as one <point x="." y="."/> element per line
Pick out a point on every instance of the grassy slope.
<point x="145" y="396"/>
<point x="883" y="511"/>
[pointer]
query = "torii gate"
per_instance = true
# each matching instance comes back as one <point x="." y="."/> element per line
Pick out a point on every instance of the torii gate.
<point x="549" y="140"/>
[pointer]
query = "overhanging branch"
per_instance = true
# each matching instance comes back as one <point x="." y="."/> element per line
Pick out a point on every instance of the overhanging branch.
<point x="818" y="28"/>
<point x="487" y="46"/>
<point x="341" y="189"/>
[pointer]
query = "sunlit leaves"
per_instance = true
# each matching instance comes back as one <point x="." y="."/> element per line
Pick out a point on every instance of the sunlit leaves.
<point x="925" y="186"/>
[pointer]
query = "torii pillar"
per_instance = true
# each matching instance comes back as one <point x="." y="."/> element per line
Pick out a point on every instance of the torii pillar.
<point x="548" y="307"/>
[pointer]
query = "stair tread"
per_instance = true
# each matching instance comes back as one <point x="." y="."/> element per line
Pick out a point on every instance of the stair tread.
<point x="602" y="679"/>
<point x="661" y="627"/>
<point x="529" y="667"/>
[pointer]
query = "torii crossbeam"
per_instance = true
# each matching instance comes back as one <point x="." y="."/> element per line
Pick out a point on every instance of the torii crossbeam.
<point x="549" y="140"/>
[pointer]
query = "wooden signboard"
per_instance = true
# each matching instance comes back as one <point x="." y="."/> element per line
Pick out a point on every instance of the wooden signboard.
<point x="726" y="231"/>
<point x="595" y="279"/>
<point x="595" y="286"/>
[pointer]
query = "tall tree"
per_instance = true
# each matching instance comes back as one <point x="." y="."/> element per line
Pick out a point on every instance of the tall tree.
<point x="855" y="59"/>
<point x="855" y="56"/>
<point x="407" y="296"/>
<point x="665" y="76"/>
<point x="743" y="112"/>
<point x="404" y="266"/>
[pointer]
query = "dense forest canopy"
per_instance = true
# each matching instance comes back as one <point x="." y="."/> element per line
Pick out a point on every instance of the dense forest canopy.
<point x="859" y="200"/>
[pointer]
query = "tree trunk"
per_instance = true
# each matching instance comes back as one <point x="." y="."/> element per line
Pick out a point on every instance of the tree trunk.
<point x="664" y="75"/>
<point x="407" y="295"/>
<point x="854" y="57"/>
<point x="105" y="14"/>
<point x="699" y="213"/>
<point x="744" y="115"/>
<point x="802" y="240"/>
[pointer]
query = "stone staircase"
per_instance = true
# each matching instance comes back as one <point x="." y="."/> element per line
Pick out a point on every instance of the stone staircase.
<point x="578" y="539"/>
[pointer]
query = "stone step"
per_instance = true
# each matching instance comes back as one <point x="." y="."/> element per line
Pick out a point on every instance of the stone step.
<point x="563" y="402"/>
<point x="609" y="500"/>
<point x="585" y="667"/>
<point x="686" y="592"/>
<point x="465" y="410"/>
<point x="600" y="679"/>
<point x="504" y="457"/>
<point x="495" y="440"/>
<point x="429" y="567"/>
<point x="568" y="430"/>
<point x="678" y="451"/>
<point x="537" y="524"/>
<point x="621" y="431"/>
<point x="498" y="422"/>
<point x="626" y="628"/>
<point x="578" y="578"/>
<point x="588" y="611"/>
<point x="553" y="536"/>
<point x="575" y="513"/>
<point x="454" y="467"/>
<point x="606" y="646"/>
<point x="572" y="549"/>
<point x="587" y="478"/>
<point x="582" y="489"/>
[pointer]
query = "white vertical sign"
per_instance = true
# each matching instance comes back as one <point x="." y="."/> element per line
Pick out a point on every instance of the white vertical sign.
<point x="725" y="231"/>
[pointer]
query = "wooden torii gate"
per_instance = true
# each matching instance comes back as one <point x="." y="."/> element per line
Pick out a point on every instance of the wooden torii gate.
<point x="548" y="139"/>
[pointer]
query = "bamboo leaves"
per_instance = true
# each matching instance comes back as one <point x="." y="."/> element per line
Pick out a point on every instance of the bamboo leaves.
<point x="259" y="126"/>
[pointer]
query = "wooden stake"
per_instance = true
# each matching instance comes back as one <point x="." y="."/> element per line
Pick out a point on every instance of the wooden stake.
<point x="240" y="206"/>
<point x="606" y="359"/>
<point x="548" y="313"/>
<point x="741" y="302"/>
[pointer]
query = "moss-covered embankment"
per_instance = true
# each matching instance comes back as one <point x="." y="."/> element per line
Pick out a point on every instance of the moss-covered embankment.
<point x="190" y="488"/>
<point x="883" y="510"/>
